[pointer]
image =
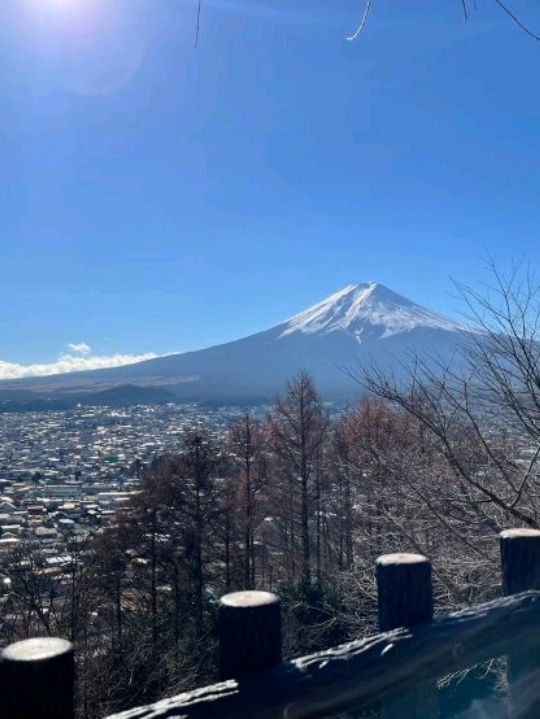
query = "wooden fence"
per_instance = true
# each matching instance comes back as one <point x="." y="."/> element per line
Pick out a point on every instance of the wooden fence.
<point x="395" y="670"/>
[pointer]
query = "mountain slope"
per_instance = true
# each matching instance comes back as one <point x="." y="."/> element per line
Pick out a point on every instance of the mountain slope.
<point x="367" y="307"/>
<point x="362" y="324"/>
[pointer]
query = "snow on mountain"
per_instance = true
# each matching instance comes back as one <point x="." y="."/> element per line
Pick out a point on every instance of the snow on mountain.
<point x="366" y="308"/>
<point x="363" y="325"/>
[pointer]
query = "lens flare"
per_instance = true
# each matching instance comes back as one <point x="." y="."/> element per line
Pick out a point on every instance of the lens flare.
<point x="97" y="46"/>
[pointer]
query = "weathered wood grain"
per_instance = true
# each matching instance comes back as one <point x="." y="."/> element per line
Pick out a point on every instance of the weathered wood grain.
<point x="364" y="670"/>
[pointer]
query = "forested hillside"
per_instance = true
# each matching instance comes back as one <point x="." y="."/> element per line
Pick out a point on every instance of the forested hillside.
<point x="298" y="504"/>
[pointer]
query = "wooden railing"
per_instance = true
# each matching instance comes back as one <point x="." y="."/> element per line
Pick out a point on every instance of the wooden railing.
<point x="395" y="670"/>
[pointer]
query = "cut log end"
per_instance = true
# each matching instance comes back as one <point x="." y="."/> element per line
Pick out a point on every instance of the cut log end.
<point x="401" y="558"/>
<point x="522" y="533"/>
<point x="40" y="649"/>
<point x="37" y="679"/>
<point x="249" y="633"/>
<point x="248" y="599"/>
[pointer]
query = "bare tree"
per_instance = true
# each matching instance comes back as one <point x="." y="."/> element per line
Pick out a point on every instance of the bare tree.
<point x="298" y="427"/>
<point x="473" y="465"/>
<point x="246" y="444"/>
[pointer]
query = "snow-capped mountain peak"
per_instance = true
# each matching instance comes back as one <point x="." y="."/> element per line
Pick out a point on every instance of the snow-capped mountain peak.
<point x="363" y="325"/>
<point x="366" y="310"/>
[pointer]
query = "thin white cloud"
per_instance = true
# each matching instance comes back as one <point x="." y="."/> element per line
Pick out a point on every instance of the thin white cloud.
<point x="80" y="348"/>
<point x="70" y="363"/>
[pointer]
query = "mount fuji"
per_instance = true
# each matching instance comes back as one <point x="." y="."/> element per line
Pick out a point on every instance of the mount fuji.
<point x="361" y="325"/>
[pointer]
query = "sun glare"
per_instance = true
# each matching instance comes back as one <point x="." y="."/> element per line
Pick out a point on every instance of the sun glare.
<point x="61" y="5"/>
<point x="96" y="43"/>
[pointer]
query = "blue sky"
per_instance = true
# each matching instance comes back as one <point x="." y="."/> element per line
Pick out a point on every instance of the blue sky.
<point x="156" y="197"/>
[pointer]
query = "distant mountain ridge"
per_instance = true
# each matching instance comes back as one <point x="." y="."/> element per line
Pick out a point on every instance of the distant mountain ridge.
<point x="362" y="324"/>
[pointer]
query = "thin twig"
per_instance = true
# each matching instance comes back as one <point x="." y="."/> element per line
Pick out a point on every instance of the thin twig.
<point x="465" y="9"/>
<point x="198" y="27"/>
<point x="516" y="20"/>
<point x="363" y="23"/>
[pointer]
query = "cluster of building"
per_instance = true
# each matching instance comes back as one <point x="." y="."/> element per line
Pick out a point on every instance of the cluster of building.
<point x="65" y="474"/>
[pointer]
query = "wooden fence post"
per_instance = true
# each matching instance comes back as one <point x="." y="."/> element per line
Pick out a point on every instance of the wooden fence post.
<point x="520" y="561"/>
<point x="405" y="599"/>
<point x="37" y="679"/>
<point x="249" y="633"/>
